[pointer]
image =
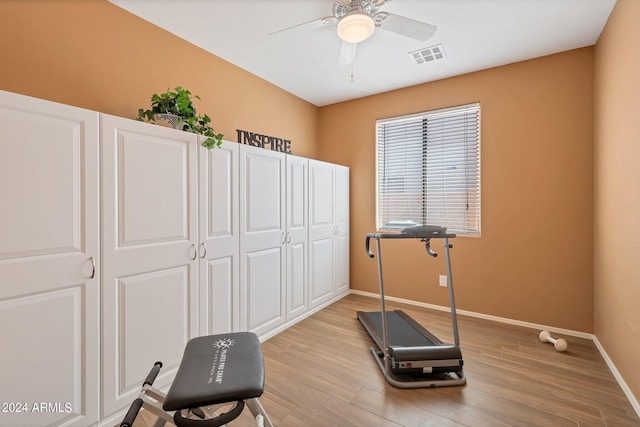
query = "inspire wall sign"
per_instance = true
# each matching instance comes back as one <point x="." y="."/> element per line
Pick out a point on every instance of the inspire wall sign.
<point x="264" y="141"/>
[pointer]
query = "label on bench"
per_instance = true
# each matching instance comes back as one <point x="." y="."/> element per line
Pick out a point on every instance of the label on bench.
<point x="219" y="360"/>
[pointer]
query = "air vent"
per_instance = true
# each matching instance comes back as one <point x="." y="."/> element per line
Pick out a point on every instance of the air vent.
<point x="428" y="54"/>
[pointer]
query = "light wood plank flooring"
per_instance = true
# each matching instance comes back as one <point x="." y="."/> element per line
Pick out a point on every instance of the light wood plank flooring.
<point x="320" y="373"/>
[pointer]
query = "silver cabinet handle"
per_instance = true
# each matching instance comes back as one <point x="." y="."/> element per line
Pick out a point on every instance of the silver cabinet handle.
<point x="195" y="252"/>
<point x="288" y="237"/>
<point x="203" y="249"/>
<point x="93" y="268"/>
<point x="283" y="239"/>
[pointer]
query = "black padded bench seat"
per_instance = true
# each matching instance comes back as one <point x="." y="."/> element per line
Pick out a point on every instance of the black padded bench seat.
<point x="217" y="369"/>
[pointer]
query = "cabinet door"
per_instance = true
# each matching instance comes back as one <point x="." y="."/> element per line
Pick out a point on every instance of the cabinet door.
<point x="149" y="305"/>
<point x="219" y="239"/>
<point x="341" y="240"/>
<point x="297" y="235"/>
<point x="262" y="239"/>
<point x="49" y="263"/>
<point x="321" y="232"/>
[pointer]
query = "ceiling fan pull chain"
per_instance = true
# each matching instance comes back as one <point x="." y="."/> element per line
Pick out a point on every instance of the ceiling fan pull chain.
<point x="352" y="71"/>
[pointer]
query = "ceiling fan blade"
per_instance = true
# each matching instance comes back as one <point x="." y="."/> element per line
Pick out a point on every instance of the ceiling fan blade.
<point x="408" y="27"/>
<point x="328" y="20"/>
<point x="347" y="53"/>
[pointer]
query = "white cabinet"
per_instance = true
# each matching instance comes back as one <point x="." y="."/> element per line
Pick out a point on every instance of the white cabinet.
<point x="219" y="242"/>
<point x="328" y="231"/>
<point x="120" y="241"/>
<point x="149" y="252"/>
<point x="49" y="263"/>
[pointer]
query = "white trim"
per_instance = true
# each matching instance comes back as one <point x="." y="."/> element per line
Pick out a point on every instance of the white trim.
<point x="625" y="388"/>
<point x="480" y="315"/>
<point x="273" y="332"/>
<point x="440" y="112"/>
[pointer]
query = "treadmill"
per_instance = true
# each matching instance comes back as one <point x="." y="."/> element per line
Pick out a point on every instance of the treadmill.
<point x="408" y="355"/>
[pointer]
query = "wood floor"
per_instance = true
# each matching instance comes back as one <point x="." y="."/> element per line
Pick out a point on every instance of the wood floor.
<point x="320" y="373"/>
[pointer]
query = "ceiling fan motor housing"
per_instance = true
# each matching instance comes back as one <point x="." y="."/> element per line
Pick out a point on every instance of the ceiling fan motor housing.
<point x="342" y="8"/>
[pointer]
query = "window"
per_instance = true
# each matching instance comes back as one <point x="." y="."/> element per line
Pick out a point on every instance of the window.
<point x="428" y="170"/>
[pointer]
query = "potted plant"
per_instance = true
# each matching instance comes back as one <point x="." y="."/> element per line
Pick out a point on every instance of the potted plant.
<point x="176" y="108"/>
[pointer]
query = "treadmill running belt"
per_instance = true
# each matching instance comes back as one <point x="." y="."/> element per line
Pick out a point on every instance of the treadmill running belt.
<point x="402" y="330"/>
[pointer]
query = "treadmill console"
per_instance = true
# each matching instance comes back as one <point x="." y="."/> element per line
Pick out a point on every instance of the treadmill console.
<point x="427" y="232"/>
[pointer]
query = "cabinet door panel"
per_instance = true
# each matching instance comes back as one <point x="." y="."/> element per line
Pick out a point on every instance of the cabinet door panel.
<point x="342" y="229"/>
<point x="297" y="235"/>
<point x="41" y="184"/>
<point x="150" y="166"/>
<point x="220" y="190"/>
<point x="149" y="305"/>
<point x="42" y="357"/>
<point x="49" y="261"/>
<point x="220" y="240"/>
<point x="262" y="239"/>
<point x="264" y="289"/>
<point x="322" y="197"/>
<point x="321" y="232"/>
<point x="342" y="199"/>
<point x="321" y="280"/>
<point x="297" y="200"/>
<point x="342" y="263"/>
<point x="144" y="337"/>
<point x="263" y="196"/>
<point x="296" y="278"/>
<point x="221" y="295"/>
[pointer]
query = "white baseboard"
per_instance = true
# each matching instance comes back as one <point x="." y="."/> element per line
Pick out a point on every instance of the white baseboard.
<point x="612" y="367"/>
<point x="290" y="323"/>
<point x="480" y="315"/>
<point x="618" y="377"/>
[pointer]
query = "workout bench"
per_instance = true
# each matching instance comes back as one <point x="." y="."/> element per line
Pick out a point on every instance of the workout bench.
<point x="216" y="372"/>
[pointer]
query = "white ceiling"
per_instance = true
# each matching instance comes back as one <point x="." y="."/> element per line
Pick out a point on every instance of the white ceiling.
<point x="475" y="35"/>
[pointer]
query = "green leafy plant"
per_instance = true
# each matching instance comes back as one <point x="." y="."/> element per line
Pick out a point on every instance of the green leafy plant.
<point x="178" y="102"/>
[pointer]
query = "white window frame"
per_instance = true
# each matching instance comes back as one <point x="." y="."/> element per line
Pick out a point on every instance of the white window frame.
<point x="433" y="159"/>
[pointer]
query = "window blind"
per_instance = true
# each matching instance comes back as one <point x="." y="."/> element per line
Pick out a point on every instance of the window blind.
<point x="428" y="170"/>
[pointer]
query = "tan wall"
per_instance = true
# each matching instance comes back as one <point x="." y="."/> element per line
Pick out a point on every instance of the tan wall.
<point x="617" y="191"/>
<point x="536" y="147"/>
<point x="95" y="55"/>
<point x="533" y="261"/>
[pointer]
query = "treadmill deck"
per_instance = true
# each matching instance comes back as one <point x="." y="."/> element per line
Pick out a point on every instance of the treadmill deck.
<point x="412" y="348"/>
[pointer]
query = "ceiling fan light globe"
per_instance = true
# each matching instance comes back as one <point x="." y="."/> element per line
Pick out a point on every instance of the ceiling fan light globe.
<point x="356" y="27"/>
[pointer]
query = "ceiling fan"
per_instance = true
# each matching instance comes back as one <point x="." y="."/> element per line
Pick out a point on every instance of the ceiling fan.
<point x="357" y="20"/>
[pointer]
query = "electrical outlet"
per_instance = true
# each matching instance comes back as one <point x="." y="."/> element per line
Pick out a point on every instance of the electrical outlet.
<point x="443" y="281"/>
